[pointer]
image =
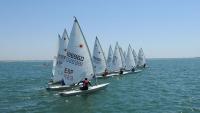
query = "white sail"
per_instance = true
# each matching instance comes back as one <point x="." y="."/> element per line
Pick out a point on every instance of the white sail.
<point x="135" y="57"/>
<point x="122" y="57"/>
<point x="55" y="59"/>
<point x="65" y="40"/>
<point x="54" y="66"/>
<point x="141" y="58"/>
<point x="78" y="63"/>
<point x="130" y="63"/>
<point x="124" y="54"/>
<point x="58" y="61"/>
<point x="99" y="61"/>
<point x="109" y="59"/>
<point x="57" y="70"/>
<point x="117" y="61"/>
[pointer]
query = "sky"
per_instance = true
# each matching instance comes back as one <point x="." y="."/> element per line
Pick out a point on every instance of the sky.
<point x="163" y="28"/>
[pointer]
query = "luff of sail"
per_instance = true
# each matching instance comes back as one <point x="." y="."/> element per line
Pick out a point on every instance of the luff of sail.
<point x="98" y="58"/>
<point x="109" y="59"/>
<point x="78" y="63"/>
<point x="130" y="63"/>
<point x="116" y="61"/>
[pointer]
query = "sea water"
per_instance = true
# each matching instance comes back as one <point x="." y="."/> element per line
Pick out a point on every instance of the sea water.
<point x="166" y="86"/>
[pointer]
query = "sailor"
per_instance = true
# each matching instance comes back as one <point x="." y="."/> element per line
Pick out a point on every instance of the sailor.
<point x="85" y="82"/>
<point x="121" y="71"/>
<point x="51" y="80"/>
<point x="62" y="82"/>
<point x="105" y="72"/>
<point x="144" y="65"/>
<point x="133" y="69"/>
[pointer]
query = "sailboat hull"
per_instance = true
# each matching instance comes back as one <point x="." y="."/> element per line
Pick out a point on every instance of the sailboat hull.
<point x="107" y="76"/>
<point x="137" y="71"/>
<point x="113" y="74"/>
<point x="54" y="83"/>
<point x="60" y="87"/>
<point x="129" y="72"/>
<point x="91" y="89"/>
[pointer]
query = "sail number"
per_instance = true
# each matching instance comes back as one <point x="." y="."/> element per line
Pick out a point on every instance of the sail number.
<point x="75" y="56"/>
<point x="67" y="74"/>
<point x="74" y="59"/>
<point x="75" y="62"/>
<point x="68" y="71"/>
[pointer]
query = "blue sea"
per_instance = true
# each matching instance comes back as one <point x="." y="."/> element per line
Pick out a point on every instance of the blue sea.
<point x="166" y="86"/>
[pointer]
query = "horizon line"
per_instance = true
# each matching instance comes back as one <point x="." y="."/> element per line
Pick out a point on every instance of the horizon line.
<point x="52" y="59"/>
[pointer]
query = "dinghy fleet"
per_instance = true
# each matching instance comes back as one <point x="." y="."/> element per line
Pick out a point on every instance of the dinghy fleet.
<point x="74" y="62"/>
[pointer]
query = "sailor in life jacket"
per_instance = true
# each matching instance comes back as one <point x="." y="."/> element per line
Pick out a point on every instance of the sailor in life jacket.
<point x="105" y="73"/>
<point x="121" y="71"/>
<point x="133" y="69"/>
<point x="85" y="82"/>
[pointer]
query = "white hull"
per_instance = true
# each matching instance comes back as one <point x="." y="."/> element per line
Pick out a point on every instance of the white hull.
<point x="113" y="74"/>
<point x="109" y="75"/>
<point x="125" y="72"/>
<point x="91" y="89"/>
<point x="128" y="72"/>
<point x="60" y="87"/>
<point x="54" y="83"/>
<point x="137" y="71"/>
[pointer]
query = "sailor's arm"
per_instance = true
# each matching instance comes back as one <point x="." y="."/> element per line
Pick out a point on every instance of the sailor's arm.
<point x="90" y="84"/>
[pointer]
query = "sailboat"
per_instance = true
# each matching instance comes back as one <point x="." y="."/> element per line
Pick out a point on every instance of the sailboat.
<point x="78" y="63"/>
<point x="117" y="65"/>
<point x="130" y="63"/>
<point x="99" y="60"/>
<point x="57" y="71"/>
<point x="141" y="59"/>
<point x="55" y="65"/>
<point x="109" y="68"/>
<point x="116" y="61"/>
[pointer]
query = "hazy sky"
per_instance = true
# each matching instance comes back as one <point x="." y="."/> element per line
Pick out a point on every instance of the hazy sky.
<point x="163" y="28"/>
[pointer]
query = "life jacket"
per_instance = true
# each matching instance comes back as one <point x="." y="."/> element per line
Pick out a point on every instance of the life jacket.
<point x="85" y="83"/>
<point x="106" y="72"/>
